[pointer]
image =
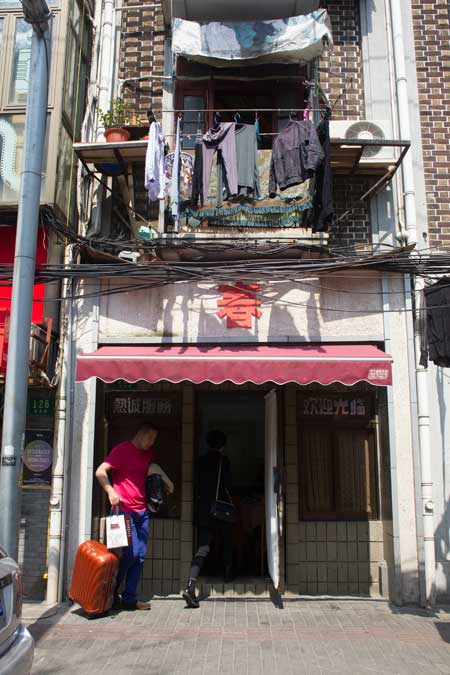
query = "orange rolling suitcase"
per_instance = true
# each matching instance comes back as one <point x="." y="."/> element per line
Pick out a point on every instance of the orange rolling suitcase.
<point x="94" y="577"/>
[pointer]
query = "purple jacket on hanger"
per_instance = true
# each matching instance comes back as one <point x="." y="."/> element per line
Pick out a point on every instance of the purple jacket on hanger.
<point x="220" y="138"/>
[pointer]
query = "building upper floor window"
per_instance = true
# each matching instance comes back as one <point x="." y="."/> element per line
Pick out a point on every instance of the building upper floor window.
<point x="15" y="56"/>
<point x="20" y="68"/>
<point x="13" y="4"/>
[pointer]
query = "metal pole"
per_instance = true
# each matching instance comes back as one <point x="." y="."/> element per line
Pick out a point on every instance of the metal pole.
<point x="23" y="280"/>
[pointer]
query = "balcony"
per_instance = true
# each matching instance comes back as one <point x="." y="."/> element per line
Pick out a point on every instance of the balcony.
<point x="258" y="225"/>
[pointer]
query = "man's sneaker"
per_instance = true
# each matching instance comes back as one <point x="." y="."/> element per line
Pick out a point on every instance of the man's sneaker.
<point x="138" y="605"/>
<point x="189" y="596"/>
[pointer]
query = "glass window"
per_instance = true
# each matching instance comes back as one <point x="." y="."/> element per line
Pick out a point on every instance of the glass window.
<point x="1" y="30"/>
<point x="64" y="195"/>
<point x="193" y="122"/>
<point x="71" y="71"/>
<point x="12" y="128"/>
<point x="337" y="474"/>
<point x="18" y="88"/>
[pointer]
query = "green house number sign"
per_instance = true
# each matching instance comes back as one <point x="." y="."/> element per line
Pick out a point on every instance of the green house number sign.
<point x="40" y="406"/>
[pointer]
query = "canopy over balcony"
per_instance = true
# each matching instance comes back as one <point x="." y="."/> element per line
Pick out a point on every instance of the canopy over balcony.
<point x="297" y="39"/>
<point x="236" y="10"/>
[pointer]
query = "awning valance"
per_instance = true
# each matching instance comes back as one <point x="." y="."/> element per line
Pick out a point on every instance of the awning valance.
<point x="239" y="43"/>
<point x="304" y="364"/>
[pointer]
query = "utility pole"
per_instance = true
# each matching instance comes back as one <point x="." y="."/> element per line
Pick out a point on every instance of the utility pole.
<point x="38" y="14"/>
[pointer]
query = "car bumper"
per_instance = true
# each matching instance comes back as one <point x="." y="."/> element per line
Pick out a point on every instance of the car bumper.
<point x="18" y="659"/>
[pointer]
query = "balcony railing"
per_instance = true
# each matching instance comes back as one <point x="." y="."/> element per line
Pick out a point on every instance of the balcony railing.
<point x="376" y="160"/>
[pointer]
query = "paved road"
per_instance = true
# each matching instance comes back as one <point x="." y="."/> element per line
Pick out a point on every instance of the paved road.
<point x="246" y="637"/>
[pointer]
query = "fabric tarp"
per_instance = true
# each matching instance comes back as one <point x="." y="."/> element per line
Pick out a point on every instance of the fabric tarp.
<point x="221" y="44"/>
<point x="304" y="364"/>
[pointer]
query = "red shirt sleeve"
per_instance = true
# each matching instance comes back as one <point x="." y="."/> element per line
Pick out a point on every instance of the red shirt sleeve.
<point x="115" y="457"/>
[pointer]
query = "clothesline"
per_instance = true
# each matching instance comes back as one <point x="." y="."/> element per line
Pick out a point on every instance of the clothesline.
<point x="188" y="135"/>
<point x="231" y="110"/>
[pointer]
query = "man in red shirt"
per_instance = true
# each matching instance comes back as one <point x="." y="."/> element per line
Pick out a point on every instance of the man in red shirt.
<point x="129" y="463"/>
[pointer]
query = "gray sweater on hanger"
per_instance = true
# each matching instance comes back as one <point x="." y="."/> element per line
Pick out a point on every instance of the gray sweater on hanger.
<point x="247" y="167"/>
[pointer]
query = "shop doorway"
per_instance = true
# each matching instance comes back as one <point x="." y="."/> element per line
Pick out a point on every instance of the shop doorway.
<point x="240" y="415"/>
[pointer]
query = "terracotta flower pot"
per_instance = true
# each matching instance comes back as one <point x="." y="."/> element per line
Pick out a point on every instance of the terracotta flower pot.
<point x="114" y="135"/>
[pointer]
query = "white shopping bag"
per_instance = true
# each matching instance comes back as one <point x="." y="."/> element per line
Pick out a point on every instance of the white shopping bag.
<point x="118" y="531"/>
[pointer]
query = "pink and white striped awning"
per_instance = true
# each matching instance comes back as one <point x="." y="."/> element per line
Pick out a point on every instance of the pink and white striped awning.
<point x="324" y="364"/>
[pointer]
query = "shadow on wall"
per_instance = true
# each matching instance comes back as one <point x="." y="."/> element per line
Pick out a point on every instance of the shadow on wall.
<point x="289" y="310"/>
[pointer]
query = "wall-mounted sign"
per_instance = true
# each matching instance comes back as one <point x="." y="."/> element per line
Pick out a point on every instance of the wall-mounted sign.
<point x="141" y="405"/>
<point x="338" y="406"/>
<point x="239" y="304"/>
<point x="40" y="406"/>
<point x="37" y="459"/>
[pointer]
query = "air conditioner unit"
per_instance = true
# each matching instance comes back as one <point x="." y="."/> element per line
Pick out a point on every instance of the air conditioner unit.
<point x="370" y="130"/>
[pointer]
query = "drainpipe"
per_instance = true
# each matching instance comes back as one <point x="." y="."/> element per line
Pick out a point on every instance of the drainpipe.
<point x="106" y="62"/>
<point x="63" y="411"/>
<point x="16" y="389"/>
<point x="409" y="195"/>
<point x="105" y="78"/>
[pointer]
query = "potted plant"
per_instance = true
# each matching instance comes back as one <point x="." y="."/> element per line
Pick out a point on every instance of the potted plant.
<point x="113" y="121"/>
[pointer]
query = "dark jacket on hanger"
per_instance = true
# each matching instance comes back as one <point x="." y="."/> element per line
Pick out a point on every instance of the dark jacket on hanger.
<point x="322" y="212"/>
<point x="197" y="178"/>
<point x="436" y="331"/>
<point x="296" y="155"/>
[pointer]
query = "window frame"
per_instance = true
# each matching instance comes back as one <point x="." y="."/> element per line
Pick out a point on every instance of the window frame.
<point x="10" y="16"/>
<point x="333" y="427"/>
<point x="210" y="88"/>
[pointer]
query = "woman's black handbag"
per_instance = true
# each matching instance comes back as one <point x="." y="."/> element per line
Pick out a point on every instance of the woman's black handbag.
<point x="220" y="509"/>
<point x="154" y="492"/>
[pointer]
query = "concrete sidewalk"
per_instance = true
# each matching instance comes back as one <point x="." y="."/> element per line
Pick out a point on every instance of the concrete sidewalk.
<point x="244" y="637"/>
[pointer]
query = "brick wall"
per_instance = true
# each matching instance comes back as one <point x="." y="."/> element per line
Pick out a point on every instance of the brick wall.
<point x="142" y="55"/>
<point x="345" y="60"/>
<point x="431" y="34"/>
<point x="355" y="229"/>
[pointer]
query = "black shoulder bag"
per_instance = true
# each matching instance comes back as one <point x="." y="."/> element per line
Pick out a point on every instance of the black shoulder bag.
<point x="221" y="510"/>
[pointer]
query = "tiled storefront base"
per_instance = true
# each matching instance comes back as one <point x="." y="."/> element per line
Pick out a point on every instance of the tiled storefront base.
<point x="161" y="574"/>
<point x="327" y="558"/>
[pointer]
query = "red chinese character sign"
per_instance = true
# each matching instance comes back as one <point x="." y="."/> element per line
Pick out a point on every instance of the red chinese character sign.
<point x="239" y="305"/>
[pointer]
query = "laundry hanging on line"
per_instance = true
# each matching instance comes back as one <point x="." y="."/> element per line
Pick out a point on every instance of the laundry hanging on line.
<point x="296" y="155"/>
<point x="154" y="180"/>
<point x="435" y="343"/>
